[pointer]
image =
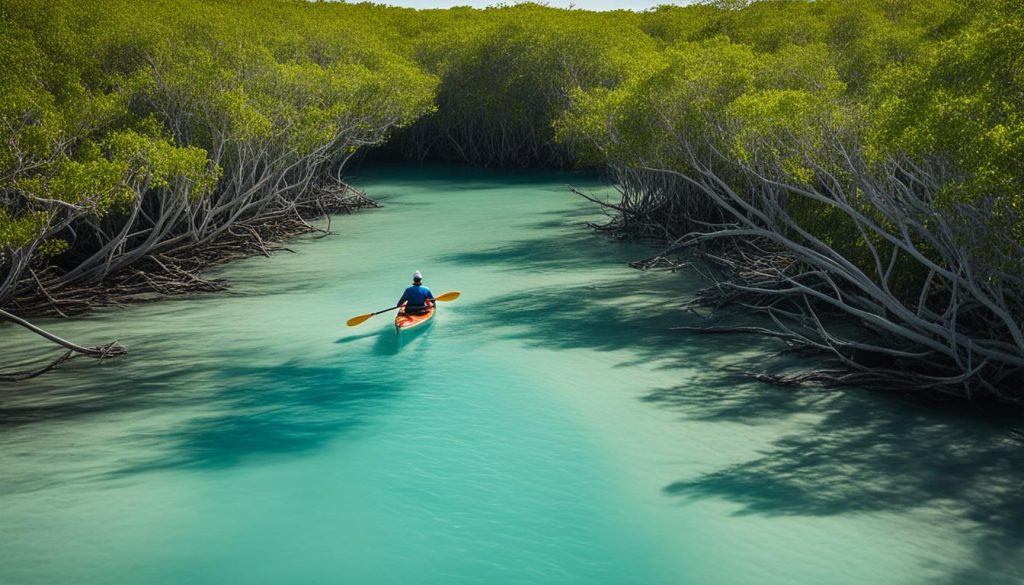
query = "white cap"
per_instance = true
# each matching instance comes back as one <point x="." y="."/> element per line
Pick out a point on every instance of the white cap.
<point x="417" y="276"/>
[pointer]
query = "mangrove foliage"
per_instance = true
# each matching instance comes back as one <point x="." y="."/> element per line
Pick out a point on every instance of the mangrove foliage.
<point x="829" y="163"/>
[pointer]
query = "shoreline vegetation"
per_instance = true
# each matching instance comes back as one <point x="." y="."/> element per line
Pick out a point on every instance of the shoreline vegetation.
<point x="847" y="170"/>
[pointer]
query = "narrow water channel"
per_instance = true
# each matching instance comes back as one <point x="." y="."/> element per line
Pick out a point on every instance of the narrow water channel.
<point x="549" y="427"/>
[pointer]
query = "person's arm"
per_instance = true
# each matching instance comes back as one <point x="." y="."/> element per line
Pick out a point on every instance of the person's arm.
<point x="405" y="298"/>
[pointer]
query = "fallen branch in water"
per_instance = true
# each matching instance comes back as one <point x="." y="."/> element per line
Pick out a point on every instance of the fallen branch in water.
<point x="15" y="373"/>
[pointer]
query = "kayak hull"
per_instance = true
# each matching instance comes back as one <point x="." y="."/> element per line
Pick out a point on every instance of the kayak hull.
<point x="405" y="322"/>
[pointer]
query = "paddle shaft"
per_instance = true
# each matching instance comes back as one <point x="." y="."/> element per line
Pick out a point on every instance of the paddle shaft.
<point x="385" y="310"/>
<point x="397" y="306"/>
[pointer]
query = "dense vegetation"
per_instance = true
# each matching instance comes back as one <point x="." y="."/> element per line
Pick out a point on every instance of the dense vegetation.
<point x="858" y="158"/>
<point x="134" y="131"/>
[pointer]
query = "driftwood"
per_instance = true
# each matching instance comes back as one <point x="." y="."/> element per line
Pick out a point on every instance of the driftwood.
<point x="19" y="372"/>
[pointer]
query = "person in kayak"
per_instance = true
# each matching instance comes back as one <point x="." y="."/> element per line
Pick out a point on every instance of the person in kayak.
<point x="416" y="297"/>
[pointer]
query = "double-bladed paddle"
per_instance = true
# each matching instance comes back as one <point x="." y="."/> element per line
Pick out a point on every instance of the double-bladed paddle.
<point x="448" y="296"/>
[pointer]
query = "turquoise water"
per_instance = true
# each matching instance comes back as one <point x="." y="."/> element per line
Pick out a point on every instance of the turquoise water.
<point x="550" y="427"/>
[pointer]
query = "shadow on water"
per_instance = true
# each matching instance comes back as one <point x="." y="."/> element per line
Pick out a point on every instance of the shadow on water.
<point x="387" y="342"/>
<point x="866" y="452"/>
<point x="633" y="311"/>
<point x="282" y="409"/>
<point x="539" y="256"/>
<point x="356" y="337"/>
<point x="869" y="453"/>
<point x="199" y="415"/>
<point x="575" y="247"/>
<point x="841" y="452"/>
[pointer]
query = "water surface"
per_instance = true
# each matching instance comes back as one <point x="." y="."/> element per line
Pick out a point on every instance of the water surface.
<point x="550" y="427"/>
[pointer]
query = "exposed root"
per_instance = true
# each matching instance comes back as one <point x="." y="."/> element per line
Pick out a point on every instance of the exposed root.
<point x="163" y="273"/>
<point x="178" y="271"/>
<point x="660" y="261"/>
<point x="913" y="300"/>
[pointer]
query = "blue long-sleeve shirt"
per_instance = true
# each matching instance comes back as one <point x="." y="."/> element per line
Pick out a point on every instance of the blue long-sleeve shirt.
<point x="416" y="295"/>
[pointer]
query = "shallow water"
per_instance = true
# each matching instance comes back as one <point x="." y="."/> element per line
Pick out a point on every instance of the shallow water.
<point x="548" y="428"/>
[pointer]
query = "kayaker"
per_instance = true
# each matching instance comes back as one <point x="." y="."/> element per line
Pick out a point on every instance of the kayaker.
<point x="416" y="296"/>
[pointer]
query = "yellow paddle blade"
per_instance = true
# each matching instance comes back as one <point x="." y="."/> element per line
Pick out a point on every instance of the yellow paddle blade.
<point x="448" y="296"/>
<point x="357" y="320"/>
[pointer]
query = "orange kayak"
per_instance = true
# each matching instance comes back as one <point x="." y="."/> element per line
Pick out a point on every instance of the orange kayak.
<point x="403" y="321"/>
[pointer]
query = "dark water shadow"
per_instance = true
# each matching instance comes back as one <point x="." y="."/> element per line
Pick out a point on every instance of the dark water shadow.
<point x="285" y="409"/>
<point x="867" y="452"/>
<point x="356" y="337"/>
<point x="592" y="315"/>
<point x="127" y="387"/>
<point x="566" y="253"/>
<point x="191" y="412"/>
<point x="387" y="342"/>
